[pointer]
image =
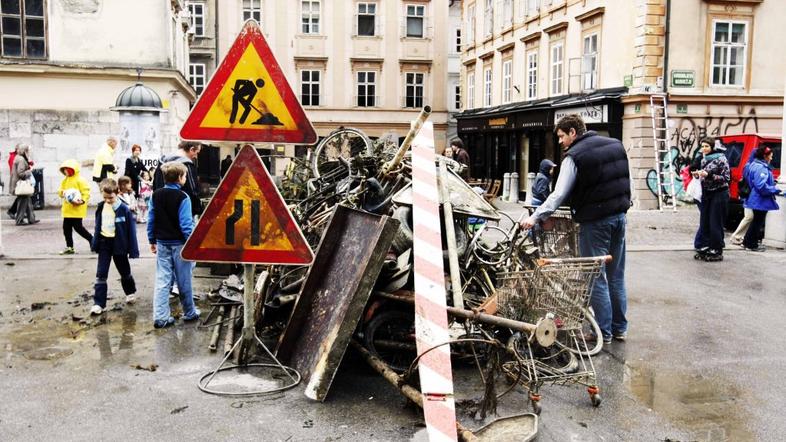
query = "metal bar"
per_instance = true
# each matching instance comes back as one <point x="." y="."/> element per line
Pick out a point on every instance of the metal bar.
<point x="408" y="391"/>
<point x="450" y="233"/>
<point x="402" y="150"/>
<point x="216" y="331"/>
<point x="229" y="340"/>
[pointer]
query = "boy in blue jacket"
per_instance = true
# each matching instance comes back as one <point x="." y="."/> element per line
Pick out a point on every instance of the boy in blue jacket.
<point x="169" y="224"/>
<point x="114" y="239"/>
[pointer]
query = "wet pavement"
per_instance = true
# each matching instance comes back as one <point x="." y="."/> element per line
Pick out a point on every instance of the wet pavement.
<point x="703" y="361"/>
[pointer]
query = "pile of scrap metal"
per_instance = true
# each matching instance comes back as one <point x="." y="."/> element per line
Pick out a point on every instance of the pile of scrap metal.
<point x="352" y="198"/>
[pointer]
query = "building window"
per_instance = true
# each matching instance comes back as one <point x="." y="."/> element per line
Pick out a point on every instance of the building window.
<point x="487" y="87"/>
<point x="507" y="76"/>
<point x="23" y="28"/>
<point x="533" y="7"/>
<point x="197" y="13"/>
<point x="532" y="75"/>
<point x="415" y="17"/>
<point x="457" y="92"/>
<point x="310" y="17"/>
<point x="507" y="13"/>
<point x="196" y="76"/>
<point x="589" y="62"/>
<point x="367" y="89"/>
<point x="471" y="91"/>
<point x="458" y="40"/>
<point x="488" y="16"/>
<point x="556" y="69"/>
<point x="729" y="43"/>
<point x="471" y="25"/>
<point x="366" y="24"/>
<point x="413" y="89"/>
<point x="309" y="87"/>
<point x="252" y="9"/>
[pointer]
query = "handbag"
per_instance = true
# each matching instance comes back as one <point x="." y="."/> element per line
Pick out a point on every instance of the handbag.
<point x="694" y="189"/>
<point x="24" y="188"/>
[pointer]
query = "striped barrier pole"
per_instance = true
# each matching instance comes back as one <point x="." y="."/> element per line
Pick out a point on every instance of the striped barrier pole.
<point x="431" y="319"/>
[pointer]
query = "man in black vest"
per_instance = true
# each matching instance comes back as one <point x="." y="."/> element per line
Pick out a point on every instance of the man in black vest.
<point x="595" y="180"/>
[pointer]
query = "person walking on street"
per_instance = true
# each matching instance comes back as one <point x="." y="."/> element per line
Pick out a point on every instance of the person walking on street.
<point x="104" y="163"/>
<point x="762" y="197"/>
<point x="75" y="192"/>
<point x="135" y="167"/>
<point x="541" y="189"/>
<point x="747" y="219"/>
<point x="699" y="240"/>
<point x="715" y="177"/>
<point x="595" y="180"/>
<point x="187" y="152"/>
<point x="115" y="240"/>
<point x="225" y="164"/>
<point x="170" y="223"/>
<point x="22" y="170"/>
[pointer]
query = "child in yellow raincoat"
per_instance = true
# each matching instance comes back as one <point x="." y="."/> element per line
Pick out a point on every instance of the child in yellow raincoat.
<point x="75" y="192"/>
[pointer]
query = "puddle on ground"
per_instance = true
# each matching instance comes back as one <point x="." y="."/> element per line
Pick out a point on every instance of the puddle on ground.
<point x="710" y="409"/>
<point x="249" y="379"/>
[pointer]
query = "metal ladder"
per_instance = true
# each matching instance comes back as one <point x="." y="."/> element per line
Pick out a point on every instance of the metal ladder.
<point x="664" y="163"/>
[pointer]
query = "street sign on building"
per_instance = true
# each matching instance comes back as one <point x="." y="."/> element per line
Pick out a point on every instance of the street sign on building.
<point x="247" y="220"/>
<point x="249" y="99"/>
<point x="683" y="78"/>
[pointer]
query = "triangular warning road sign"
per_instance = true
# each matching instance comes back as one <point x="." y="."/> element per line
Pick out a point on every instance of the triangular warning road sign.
<point x="249" y="99"/>
<point x="247" y="221"/>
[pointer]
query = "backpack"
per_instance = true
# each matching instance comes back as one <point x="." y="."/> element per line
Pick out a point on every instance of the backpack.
<point x="743" y="187"/>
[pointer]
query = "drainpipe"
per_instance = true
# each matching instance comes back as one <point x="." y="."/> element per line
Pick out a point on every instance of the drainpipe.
<point x="666" y="49"/>
<point x="215" y="36"/>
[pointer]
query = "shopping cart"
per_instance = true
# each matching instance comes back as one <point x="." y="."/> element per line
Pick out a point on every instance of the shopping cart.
<point x="557" y="236"/>
<point x="558" y="289"/>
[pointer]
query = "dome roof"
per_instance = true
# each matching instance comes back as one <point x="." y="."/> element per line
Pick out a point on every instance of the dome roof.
<point x="139" y="96"/>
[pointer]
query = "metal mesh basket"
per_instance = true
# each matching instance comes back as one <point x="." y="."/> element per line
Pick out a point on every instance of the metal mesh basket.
<point x="558" y="237"/>
<point x="557" y="286"/>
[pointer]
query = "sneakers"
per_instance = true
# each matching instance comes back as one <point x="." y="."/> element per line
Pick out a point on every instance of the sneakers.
<point x="130" y="299"/>
<point x="96" y="310"/>
<point x="592" y="338"/>
<point x="194" y="315"/>
<point x="162" y="323"/>
<point x="68" y="251"/>
<point x="756" y="249"/>
<point x="620" y="336"/>
<point x="174" y="292"/>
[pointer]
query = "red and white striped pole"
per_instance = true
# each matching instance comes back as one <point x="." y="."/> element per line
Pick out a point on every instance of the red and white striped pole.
<point x="431" y="319"/>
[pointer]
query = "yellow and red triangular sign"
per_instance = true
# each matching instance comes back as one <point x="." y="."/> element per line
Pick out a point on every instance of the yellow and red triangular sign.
<point x="247" y="221"/>
<point x="249" y="99"/>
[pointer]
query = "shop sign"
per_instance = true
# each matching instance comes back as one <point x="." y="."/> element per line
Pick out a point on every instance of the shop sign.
<point x="589" y="113"/>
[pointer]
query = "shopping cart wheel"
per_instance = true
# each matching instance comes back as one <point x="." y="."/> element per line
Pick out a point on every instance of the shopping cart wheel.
<point x="534" y="399"/>
<point x="596" y="399"/>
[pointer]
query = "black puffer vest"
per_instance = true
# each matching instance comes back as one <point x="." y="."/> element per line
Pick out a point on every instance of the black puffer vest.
<point x="602" y="185"/>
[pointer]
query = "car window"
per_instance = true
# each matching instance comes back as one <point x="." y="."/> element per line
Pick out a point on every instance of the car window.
<point x="734" y="153"/>
<point x="776" y="153"/>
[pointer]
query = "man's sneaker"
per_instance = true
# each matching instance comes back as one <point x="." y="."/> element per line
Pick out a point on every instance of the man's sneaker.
<point x="589" y="337"/>
<point x="161" y="323"/>
<point x="756" y="249"/>
<point x="130" y="299"/>
<point x="174" y="292"/>
<point x="68" y="251"/>
<point x="620" y="336"/>
<point x="96" y="310"/>
<point x="194" y="315"/>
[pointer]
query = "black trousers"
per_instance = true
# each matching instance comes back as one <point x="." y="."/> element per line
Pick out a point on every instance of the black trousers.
<point x="713" y="217"/>
<point x="105" y="257"/>
<point x="71" y="224"/>
<point x="753" y="235"/>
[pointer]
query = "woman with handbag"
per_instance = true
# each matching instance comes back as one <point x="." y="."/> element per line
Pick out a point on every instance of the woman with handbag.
<point x="21" y="187"/>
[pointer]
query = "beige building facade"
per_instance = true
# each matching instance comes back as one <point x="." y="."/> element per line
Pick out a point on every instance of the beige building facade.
<point x="528" y="62"/>
<point x="370" y="64"/>
<point x="63" y="65"/>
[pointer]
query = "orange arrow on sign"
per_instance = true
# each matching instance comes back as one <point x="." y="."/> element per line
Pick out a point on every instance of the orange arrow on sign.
<point x="247" y="220"/>
<point x="249" y="99"/>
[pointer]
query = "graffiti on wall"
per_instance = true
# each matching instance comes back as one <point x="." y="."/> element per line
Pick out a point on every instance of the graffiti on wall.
<point x="684" y="141"/>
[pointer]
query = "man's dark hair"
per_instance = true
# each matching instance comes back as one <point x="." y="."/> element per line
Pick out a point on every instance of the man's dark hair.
<point x="188" y="146"/>
<point x="572" y="121"/>
<point x="458" y="143"/>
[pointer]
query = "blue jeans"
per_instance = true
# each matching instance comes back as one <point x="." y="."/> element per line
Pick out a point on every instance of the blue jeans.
<point x="105" y="248"/>
<point x="171" y="267"/>
<point x="608" y="299"/>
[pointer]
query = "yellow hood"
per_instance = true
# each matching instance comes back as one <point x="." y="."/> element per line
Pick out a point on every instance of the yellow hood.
<point x="70" y="164"/>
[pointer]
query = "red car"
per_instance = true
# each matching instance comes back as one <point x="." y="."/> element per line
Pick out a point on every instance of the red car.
<point x="739" y="149"/>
